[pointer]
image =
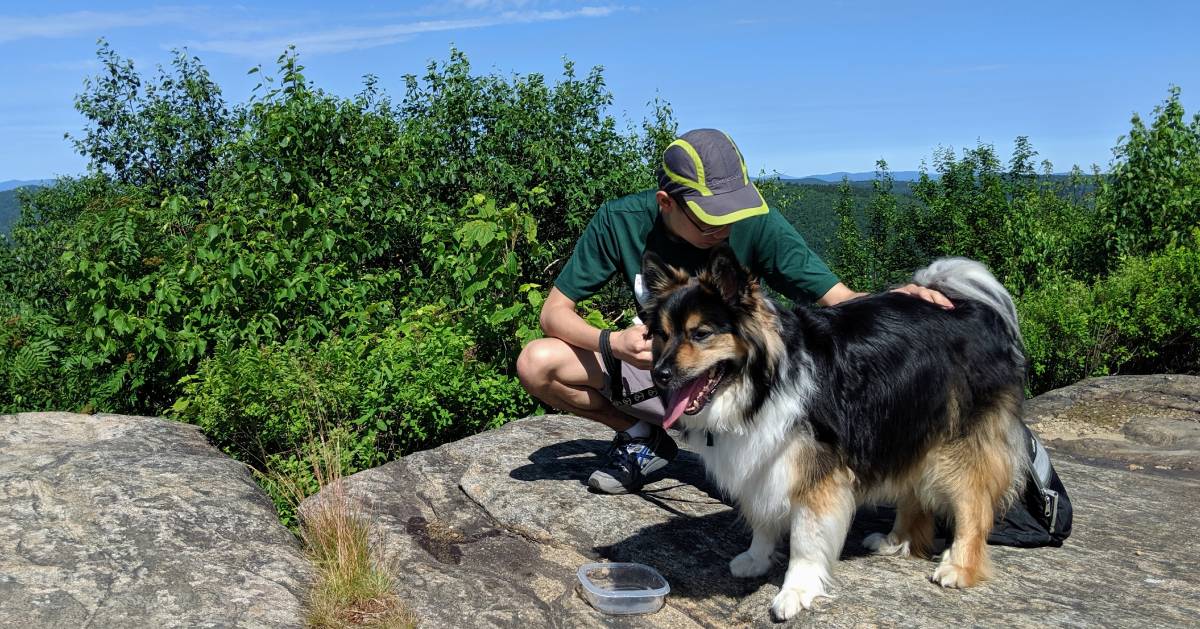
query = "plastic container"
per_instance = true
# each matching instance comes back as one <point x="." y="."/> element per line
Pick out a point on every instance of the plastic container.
<point x="623" y="588"/>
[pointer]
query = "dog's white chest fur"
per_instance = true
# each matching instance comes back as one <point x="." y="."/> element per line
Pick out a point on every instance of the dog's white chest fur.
<point x="753" y="466"/>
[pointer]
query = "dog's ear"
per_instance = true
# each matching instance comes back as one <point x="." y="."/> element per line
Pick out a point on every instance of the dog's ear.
<point x="660" y="278"/>
<point x="725" y="274"/>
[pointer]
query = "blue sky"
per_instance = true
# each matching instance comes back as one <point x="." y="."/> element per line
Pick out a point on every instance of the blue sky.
<point x="802" y="87"/>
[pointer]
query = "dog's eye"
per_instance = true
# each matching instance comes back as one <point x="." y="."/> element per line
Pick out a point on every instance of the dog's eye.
<point x="700" y="334"/>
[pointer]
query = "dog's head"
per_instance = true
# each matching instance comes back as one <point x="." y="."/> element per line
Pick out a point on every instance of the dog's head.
<point x="707" y="331"/>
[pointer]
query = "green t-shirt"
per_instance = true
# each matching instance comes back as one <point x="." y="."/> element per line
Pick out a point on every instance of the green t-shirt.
<point x="624" y="228"/>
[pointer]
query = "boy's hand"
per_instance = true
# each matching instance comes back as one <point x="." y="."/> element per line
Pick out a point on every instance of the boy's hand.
<point x="632" y="345"/>
<point x="928" y="294"/>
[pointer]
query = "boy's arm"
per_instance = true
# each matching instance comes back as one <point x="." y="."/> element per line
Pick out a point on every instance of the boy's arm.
<point x="836" y="295"/>
<point x="560" y="320"/>
<point x="840" y="292"/>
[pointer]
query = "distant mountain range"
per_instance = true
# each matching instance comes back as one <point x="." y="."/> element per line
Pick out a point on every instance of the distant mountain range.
<point x="19" y="183"/>
<point x="898" y="175"/>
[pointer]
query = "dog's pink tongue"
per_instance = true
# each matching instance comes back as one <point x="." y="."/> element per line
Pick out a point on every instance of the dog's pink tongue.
<point x="680" y="401"/>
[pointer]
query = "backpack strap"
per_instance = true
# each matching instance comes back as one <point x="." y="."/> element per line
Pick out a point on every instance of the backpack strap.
<point x="616" y="384"/>
<point x="1041" y="472"/>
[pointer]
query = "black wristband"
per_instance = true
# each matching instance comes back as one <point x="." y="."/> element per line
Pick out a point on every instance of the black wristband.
<point x="611" y="364"/>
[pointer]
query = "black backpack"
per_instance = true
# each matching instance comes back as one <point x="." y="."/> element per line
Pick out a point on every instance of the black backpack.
<point x="1042" y="515"/>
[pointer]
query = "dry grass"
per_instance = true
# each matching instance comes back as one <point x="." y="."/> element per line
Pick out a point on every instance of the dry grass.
<point x="352" y="587"/>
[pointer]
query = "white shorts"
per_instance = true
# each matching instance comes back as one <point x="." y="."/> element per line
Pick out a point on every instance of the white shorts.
<point x="632" y="381"/>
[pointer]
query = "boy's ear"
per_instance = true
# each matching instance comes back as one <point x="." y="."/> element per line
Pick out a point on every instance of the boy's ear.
<point x="727" y="275"/>
<point x="660" y="278"/>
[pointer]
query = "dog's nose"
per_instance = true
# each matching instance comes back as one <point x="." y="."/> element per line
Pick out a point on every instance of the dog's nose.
<point x="662" y="375"/>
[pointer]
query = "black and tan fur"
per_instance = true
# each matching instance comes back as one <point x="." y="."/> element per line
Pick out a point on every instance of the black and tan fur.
<point x="882" y="398"/>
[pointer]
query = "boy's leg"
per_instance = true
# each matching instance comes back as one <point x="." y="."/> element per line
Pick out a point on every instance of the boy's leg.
<point x="574" y="380"/>
<point x="570" y="379"/>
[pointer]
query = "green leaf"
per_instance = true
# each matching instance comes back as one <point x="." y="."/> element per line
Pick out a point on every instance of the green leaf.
<point x="506" y="314"/>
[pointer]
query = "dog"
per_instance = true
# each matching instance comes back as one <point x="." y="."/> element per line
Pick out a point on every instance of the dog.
<point x="802" y="415"/>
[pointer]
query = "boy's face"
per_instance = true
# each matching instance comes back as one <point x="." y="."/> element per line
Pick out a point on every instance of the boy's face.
<point x="684" y="224"/>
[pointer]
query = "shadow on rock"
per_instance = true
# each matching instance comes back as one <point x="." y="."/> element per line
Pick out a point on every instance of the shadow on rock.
<point x="692" y="548"/>
<point x="693" y="553"/>
<point x="576" y="459"/>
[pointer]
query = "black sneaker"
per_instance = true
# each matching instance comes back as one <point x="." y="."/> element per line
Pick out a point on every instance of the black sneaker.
<point x="631" y="460"/>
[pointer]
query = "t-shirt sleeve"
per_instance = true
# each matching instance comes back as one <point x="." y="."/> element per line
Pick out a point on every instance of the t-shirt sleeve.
<point x="593" y="262"/>
<point x="788" y="265"/>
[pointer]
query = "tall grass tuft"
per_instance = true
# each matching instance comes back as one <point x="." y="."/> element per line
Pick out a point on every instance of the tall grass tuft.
<point x="352" y="586"/>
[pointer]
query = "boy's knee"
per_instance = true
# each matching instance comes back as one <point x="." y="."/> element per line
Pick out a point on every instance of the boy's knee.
<point x="537" y="362"/>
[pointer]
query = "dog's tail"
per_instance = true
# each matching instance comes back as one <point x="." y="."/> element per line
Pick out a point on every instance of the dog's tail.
<point x="969" y="279"/>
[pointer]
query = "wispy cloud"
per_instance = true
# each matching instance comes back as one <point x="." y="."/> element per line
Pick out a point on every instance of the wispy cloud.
<point x="84" y="22"/>
<point x="974" y="69"/>
<point x="341" y="39"/>
<point x="492" y="4"/>
<point x="84" y="65"/>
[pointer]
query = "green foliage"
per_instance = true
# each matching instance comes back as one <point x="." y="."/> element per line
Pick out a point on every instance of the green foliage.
<point x="306" y="264"/>
<point x="162" y="135"/>
<point x="813" y="209"/>
<point x="850" y="259"/>
<point x="30" y="349"/>
<point x="1144" y="316"/>
<point x="1103" y="267"/>
<point x="1153" y="196"/>
<point x="29" y="264"/>
<point x="879" y="246"/>
<point x="1017" y="222"/>
<point x="468" y="134"/>
<point x="476" y="269"/>
<point x="964" y="205"/>
<point x="417" y="383"/>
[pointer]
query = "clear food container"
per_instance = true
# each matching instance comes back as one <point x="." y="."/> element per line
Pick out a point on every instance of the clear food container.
<point x="623" y="588"/>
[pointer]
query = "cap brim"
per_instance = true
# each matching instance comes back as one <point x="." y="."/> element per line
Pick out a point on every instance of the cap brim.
<point x="730" y="207"/>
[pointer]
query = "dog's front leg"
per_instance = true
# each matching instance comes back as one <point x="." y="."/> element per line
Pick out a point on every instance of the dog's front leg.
<point x="819" y="523"/>
<point x="756" y="560"/>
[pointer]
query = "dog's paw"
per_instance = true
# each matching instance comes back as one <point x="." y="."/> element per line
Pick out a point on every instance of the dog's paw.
<point x="949" y="575"/>
<point x="790" y="601"/>
<point x="747" y="565"/>
<point x="886" y="544"/>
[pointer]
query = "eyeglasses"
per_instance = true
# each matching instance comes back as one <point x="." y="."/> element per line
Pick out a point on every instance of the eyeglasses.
<point x="704" y="231"/>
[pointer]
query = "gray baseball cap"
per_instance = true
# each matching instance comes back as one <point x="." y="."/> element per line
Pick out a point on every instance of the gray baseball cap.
<point x="706" y="168"/>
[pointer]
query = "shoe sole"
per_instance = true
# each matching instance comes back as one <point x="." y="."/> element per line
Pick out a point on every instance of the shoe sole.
<point x="605" y="483"/>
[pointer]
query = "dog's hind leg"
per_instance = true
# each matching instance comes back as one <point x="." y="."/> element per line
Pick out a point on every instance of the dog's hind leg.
<point x="976" y="474"/>
<point x="966" y="562"/>
<point x="912" y="533"/>
<point x="756" y="561"/>
<point x="820" y="519"/>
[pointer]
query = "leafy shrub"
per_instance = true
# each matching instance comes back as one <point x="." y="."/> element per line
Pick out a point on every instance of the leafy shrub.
<point x="1153" y="196"/>
<point x="415" y="384"/>
<point x="30" y="348"/>
<point x="466" y="134"/>
<point x="163" y="135"/>
<point x="1145" y="315"/>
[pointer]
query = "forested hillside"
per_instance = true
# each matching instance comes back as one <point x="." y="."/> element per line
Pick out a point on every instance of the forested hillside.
<point x="812" y="207"/>
<point x="368" y="268"/>
<point x="10" y="209"/>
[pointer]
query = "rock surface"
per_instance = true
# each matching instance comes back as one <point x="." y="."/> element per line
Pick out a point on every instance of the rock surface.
<point x="115" y="521"/>
<point x="1139" y="422"/>
<point x="489" y="531"/>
